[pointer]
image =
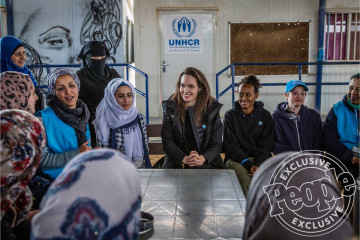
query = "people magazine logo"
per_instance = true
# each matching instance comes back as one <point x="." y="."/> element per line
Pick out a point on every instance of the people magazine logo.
<point x="184" y="27"/>
<point x="304" y="195"/>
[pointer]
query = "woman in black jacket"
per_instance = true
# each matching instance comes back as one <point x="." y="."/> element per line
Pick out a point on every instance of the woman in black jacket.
<point x="192" y="128"/>
<point x="248" y="132"/>
<point x="94" y="76"/>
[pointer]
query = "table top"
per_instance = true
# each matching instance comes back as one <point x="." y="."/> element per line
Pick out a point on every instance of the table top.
<point x="193" y="203"/>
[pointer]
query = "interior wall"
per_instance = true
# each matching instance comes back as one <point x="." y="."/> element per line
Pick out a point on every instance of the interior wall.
<point x="147" y="44"/>
<point x="56" y="30"/>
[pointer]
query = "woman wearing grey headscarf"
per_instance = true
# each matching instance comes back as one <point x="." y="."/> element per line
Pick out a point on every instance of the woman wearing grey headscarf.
<point x="65" y="121"/>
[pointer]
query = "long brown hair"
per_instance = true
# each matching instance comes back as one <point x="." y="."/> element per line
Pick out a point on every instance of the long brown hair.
<point x="203" y="99"/>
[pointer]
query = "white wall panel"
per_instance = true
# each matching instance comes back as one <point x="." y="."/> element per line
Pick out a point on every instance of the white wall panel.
<point x="240" y="11"/>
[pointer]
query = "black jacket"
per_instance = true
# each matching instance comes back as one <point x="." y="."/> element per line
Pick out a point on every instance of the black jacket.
<point x="173" y="136"/>
<point x="10" y="232"/>
<point x="296" y="134"/>
<point x="91" y="93"/>
<point x="248" y="135"/>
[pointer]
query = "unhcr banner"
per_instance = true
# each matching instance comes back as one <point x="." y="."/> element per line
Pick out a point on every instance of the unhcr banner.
<point x="183" y="33"/>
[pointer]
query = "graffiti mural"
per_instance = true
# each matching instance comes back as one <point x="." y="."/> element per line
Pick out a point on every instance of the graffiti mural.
<point x="102" y="23"/>
<point x="55" y="31"/>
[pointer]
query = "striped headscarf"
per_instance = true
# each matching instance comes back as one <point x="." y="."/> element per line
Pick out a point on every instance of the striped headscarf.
<point x="55" y="74"/>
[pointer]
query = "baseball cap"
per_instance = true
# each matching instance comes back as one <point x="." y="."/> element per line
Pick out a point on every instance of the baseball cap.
<point x="293" y="83"/>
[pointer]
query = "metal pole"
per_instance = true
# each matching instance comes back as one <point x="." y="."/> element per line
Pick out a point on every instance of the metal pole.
<point x="300" y="71"/>
<point x="9" y="17"/>
<point x="217" y="87"/>
<point x="147" y="98"/>
<point x="233" y="83"/>
<point x="320" y="59"/>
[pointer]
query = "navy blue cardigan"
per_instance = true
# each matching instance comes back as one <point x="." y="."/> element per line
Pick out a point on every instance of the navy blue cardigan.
<point x="303" y="133"/>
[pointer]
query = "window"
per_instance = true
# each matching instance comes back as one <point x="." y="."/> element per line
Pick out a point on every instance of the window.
<point x="342" y="36"/>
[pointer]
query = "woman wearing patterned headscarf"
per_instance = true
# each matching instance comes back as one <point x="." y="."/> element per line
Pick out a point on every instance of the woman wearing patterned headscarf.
<point x="65" y="121"/>
<point x="13" y="58"/>
<point x="17" y="92"/>
<point x="79" y="206"/>
<point x="22" y="140"/>
<point x="94" y="76"/>
<point x="118" y="124"/>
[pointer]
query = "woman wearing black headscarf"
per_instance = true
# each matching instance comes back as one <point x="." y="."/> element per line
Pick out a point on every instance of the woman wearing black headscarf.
<point x="94" y="76"/>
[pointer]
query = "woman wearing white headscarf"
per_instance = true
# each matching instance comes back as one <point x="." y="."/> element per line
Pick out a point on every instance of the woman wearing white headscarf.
<point x="79" y="206"/>
<point x="119" y="125"/>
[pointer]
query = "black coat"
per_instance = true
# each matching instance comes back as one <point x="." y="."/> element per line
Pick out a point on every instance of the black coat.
<point x="248" y="135"/>
<point x="91" y="93"/>
<point x="10" y="232"/>
<point x="173" y="136"/>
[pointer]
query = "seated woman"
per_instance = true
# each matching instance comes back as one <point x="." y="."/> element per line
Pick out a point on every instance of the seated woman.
<point x="297" y="127"/>
<point x="94" y="76"/>
<point x="22" y="141"/>
<point x="248" y="132"/>
<point x="13" y="58"/>
<point x="97" y="196"/>
<point x="17" y="92"/>
<point x="341" y="128"/>
<point x="65" y="121"/>
<point x="118" y="124"/>
<point x="192" y="128"/>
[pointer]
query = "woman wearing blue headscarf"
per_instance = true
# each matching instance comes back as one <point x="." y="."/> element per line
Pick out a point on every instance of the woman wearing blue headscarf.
<point x="13" y="58"/>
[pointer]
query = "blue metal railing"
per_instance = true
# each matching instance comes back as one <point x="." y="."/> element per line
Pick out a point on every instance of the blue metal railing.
<point x="146" y="94"/>
<point x="300" y="64"/>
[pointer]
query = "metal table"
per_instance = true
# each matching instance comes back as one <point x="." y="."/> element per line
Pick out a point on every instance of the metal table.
<point x="193" y="203"/>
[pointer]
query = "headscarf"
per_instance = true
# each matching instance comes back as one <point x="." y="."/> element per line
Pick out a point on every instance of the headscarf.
<point x="55" y="74"/>
<point x="78" y="117"/>
<point x="96" y="70"/>
<point x="16" y="89"/>
<point x="9" y="44"/>
<point x="258" y="222"/>
<point x="22" y="141"/>
<point x="110" y="115"/>
<point x="79" y="205"/>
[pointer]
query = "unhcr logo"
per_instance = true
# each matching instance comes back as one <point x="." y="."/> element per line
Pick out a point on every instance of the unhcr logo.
<point x="184" y="27"/>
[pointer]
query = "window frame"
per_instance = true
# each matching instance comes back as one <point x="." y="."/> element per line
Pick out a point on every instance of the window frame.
<point x="347" y="30"/>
